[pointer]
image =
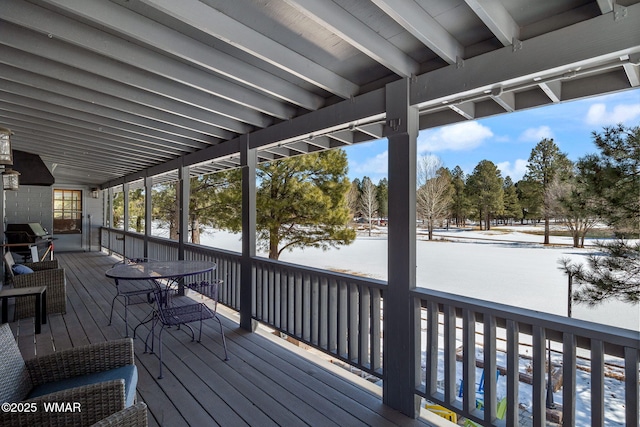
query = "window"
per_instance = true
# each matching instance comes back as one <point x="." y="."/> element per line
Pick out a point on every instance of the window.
<point x="67" y="211"/>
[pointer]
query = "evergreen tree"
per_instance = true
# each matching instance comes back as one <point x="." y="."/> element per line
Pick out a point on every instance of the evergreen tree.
<point x="545" y="163"/>
<point x="136" y="210"/>
<point x="301" y="202"/>
<point x="353" y="198"/>
<point x="484" y="188"/>
<point x="383" y="198"/>
<point x="459" y="204"/>
<point x="612" y="179"/>
<point x="165" y="208"/>
<point x="511" y="205"/>
<point x="529" y="199"/>
<point x="574" y="206"/>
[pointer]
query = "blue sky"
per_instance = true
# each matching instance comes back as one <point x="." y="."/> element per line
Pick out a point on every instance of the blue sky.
<point x="507" y="139"/>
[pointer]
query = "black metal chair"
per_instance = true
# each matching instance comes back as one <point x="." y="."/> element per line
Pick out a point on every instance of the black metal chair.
<point x="132" y="292"/>
<point x="169" y="313"/>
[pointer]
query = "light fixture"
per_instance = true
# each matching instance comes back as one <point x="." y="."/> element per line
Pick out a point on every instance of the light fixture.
<point x="10" y="179"/>
<point x="6" y="155"/>
<point x="95" y="192"/>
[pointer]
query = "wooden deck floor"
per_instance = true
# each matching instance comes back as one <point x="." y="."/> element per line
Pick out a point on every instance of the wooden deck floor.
<point x="266" y="382"/>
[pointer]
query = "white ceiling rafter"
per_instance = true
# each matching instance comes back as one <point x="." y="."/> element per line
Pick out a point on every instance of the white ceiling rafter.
<point x="140" y="90"/>
<point x="225" y="28"/>
<point x="497" y="19"/>
<point x="506" y="100"/>
<point x="423" y="27"/>
<point x="29" y="42"/>
<point x="70" y="75"/>
<point x="598" y="43"/>
<point x="605" y="6"/>
<point x="465" y="109"/>
<point x="355" y="32"/>
<point x="632" y="69"/>
<point x="553" y="90"/>
<point x="146" y="31"/>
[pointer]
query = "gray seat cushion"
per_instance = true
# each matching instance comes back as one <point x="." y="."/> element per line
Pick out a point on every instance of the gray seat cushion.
<point x="128" y="373"/>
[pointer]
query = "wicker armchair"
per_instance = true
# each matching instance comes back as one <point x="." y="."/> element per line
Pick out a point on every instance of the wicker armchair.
<point x="103" y="402"/>
<point x="45" y="273"/>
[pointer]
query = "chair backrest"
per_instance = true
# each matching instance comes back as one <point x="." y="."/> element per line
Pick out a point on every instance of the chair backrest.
<point x="9" y="262"/>
<point x="15" y="382"/>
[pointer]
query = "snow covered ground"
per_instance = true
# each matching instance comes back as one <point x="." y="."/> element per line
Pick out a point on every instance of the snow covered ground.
<point x="500" y="265"/>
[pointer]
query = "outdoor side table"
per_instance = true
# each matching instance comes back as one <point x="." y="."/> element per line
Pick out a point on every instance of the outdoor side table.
<point x="40" y="293"/>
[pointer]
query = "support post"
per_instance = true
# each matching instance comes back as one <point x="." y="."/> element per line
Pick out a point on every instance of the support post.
<point x="184" y="192"/>
<point x="110" y="216"/>
<point x="401" y="328"/>
<point x="248" y="160"/>
<point x="148" y="207"/>
<point x="125" y="205"/>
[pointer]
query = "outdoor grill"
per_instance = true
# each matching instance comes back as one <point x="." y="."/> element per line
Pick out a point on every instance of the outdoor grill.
<point x="29" y="235"/>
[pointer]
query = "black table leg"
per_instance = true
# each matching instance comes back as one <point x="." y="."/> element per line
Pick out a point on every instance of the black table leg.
<point x="44" y="307"/>
<point x="38" y="313"/>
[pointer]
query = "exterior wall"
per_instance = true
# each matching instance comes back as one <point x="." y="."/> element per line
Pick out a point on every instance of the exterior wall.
<point x="93" y="220"/>
<point x="35" y="204"/>
<point x="30" y="204"/>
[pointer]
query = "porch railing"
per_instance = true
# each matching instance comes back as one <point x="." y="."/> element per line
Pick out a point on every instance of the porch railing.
<point x="459" y="338"/>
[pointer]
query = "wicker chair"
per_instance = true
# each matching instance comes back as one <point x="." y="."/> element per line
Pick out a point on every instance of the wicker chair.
<point x="104" y="402"/>
<point x="45" y="273"/>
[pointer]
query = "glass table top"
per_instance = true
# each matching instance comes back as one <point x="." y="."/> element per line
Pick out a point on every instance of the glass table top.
<point x="159" y="269"/>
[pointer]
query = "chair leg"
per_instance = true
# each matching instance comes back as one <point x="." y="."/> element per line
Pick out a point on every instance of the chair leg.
<point x="224" y="341"/>
<point x="126" y="317"/>
<point x="160" y="350"/>
<point x="113" y="302"/>
<point x="151" y="333"/>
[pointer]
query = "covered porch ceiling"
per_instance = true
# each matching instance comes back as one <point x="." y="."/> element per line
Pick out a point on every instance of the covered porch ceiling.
<point x="107" y="91"/>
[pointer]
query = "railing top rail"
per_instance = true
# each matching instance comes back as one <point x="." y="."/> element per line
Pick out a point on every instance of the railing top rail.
<point x="372" y="283"/>
<point x="609" y="334"/>
<point x="173" y="243"/>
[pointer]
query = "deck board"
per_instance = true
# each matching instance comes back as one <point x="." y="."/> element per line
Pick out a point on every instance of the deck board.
<point x="266" y="382"/>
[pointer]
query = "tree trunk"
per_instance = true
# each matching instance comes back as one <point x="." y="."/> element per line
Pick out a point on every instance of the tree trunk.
<point x="430" y="228"/>
<point x="546" y="230"/>
<point x="488" y="221"/>
<point x="273" y="245"/>
<point x="195" y="231"/>
<point x="370" y="222"/>
<point x="576" y="239"/>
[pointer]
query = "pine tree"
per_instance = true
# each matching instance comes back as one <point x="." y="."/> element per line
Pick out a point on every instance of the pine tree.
<point x="484" y="188"/>
<point x="545" y="163"/>
<point x="510" y="201"/>
<point x="383" y="198"/>
<point x="301" y="202"/>
<point x="459" y="204"/>
<point x="612" y="180"/>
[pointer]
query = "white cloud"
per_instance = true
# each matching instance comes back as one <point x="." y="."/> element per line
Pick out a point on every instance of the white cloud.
<point x="458" y="137"/>
<point x="536" y="134"/>
<point x="377" y="165"/>
<point x="515" y="171"/>
<point x="600" y="115"/>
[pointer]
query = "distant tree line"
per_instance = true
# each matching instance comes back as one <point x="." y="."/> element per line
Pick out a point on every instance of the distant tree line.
<point x="553" y="188"/>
